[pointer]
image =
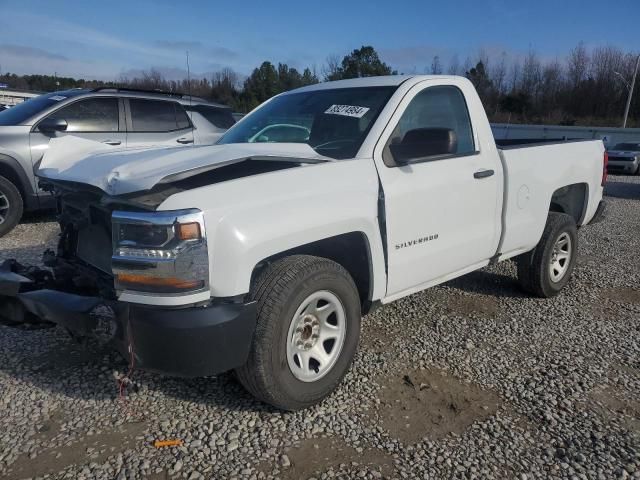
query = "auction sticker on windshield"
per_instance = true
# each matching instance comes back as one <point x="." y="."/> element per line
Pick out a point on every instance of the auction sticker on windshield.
<point x="347" y="110"/>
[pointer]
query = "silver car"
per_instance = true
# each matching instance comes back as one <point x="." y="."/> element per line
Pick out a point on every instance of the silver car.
<point x="124" y="118"/>
<point x="624" y="158"/>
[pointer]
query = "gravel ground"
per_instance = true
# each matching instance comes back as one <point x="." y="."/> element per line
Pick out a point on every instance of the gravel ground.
<point x="471" y="379"/>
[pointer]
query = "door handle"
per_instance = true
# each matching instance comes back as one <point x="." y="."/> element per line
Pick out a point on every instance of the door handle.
<point x="184" y="140"/>
<point x="112" y="142"/>
<point x="483" y="173"/>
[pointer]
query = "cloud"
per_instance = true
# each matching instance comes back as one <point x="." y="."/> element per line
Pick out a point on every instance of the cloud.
<point x="197" y="49"/>
<point x="223" y="53"/>
<point x="180" y="45"/>
<point x="27" y="60"/>
<point x="29" y="52"/>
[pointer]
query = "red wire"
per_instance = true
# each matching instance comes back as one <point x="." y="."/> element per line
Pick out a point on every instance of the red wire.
<point x="132" y="360"/>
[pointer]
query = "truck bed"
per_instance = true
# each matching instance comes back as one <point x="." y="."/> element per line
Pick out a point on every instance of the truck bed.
<point x="534" y="173"/>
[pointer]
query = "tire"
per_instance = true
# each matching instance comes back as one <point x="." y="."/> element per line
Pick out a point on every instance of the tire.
<point x="535" y="272"/>
<point x="282" y="291"/>
<point x="11" y="206"/>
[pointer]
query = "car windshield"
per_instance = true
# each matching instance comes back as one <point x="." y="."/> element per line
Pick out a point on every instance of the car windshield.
<point x="627" y="146"/>
<point x="333" y="122"/>
<point x="22" y="112"/>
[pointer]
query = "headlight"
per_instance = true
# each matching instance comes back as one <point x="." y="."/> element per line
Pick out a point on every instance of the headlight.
<point x="160" y="252"/>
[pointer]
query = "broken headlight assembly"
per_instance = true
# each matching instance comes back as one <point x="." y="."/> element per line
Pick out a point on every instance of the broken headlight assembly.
<point x="161" y="252"/>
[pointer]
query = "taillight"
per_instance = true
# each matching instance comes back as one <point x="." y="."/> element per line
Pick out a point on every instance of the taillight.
<point x="605" y="164"/>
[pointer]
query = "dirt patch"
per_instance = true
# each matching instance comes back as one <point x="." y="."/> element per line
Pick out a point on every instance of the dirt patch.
<point x="622" y="294"/>
<point x="378" y="338"/>
<point x="473" y="305"/>
<point x="94" y="448"/>
<point x="614" y="407"/>
<point x="431" y="404"/>
<point x="317" y="455"/>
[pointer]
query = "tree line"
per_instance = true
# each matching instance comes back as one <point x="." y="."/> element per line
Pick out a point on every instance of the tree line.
<point x="588" y="87"/>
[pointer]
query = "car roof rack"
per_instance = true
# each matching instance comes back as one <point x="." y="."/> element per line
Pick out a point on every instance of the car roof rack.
<point x="140" y="90"/>
<point x="182" y="96"/>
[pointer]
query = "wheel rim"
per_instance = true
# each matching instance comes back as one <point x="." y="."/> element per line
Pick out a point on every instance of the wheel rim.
<point x="316" y="336"/>
<point x="560" y="257"/>
<point x="4" y="207"/>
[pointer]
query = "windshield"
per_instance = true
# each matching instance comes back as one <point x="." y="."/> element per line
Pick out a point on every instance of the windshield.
<point x="24" y="111"/>
<point x="627" y="146"/>
<point x="333" y="122"/>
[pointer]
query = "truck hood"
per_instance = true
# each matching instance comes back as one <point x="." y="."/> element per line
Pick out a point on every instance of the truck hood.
<point x="118" y="172"/>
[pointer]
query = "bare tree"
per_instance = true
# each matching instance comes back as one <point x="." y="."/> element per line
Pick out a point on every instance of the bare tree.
<point x="436" y="66"/>
<point x="514" y="76"/>
<point x="551" y="87"/>
<point x="531" y="75"/>
<point x="498" y="75"/>
<point x="577" y="65"/>
<point x="454" y="65"/>
<point x="331" y="66"/>
<point x="483" y="57"/>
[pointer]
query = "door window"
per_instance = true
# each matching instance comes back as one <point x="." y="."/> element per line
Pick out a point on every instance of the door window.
<point x="219" y="117"/>
<point x="91" y="115"/>
<point x="435" y="124"/>
<point x="157" y="116"/>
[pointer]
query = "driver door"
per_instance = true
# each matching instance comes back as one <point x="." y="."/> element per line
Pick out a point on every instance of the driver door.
<point x="442" y="190"/>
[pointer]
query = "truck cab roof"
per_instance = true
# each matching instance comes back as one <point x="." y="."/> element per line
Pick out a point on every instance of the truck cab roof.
<point x="381" y="81"/>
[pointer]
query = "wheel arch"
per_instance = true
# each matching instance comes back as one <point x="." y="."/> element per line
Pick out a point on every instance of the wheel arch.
<point x="572" y="200"/>
<point x="10" y="169"/>
<point x="351" y="250"/>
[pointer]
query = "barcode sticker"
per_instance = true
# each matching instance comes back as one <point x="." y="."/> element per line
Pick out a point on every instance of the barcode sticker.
<point x="347" y="110"/>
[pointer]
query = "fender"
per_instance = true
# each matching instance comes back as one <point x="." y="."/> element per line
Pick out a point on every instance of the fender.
<point x="11" y="168"/>
<point x="254" y="218"/>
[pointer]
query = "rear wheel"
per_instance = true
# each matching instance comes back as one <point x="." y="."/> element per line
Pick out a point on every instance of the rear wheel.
<point x="306" y="334"/>
<point x="11" y="206"/>
<point x="546" y="269"/>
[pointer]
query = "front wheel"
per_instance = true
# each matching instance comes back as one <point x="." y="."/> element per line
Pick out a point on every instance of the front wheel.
<point x="546" y="269"/>
<point x="307" y="331"/>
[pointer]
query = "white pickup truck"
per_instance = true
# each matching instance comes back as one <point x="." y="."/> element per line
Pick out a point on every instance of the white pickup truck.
<point x="261" y="253"/>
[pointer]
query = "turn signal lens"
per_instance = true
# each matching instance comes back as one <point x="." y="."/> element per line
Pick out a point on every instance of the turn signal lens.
<point x="157" y="284"/>
<point x="188" y="231"/>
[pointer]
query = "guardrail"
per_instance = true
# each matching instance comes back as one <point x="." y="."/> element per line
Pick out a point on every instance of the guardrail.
<point x="609" y="136"/>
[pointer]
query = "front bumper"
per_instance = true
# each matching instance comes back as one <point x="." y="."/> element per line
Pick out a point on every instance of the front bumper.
<point x="186" y="342"/>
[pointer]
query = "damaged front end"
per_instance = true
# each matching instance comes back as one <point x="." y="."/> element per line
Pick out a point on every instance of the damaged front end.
<point x="79" y="267"/>
<point x="132" y="277"/>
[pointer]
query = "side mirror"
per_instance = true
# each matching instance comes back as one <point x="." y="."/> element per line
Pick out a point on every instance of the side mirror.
<point x="49" y="125"/>
<point x="420" y="143"/>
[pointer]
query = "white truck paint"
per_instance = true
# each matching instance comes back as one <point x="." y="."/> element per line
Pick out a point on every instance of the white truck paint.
<point x="260" y="253"/>
<point x="253" y="218"/>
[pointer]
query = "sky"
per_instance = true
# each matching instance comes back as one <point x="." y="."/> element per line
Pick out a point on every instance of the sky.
<point x="108" y="40"/>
